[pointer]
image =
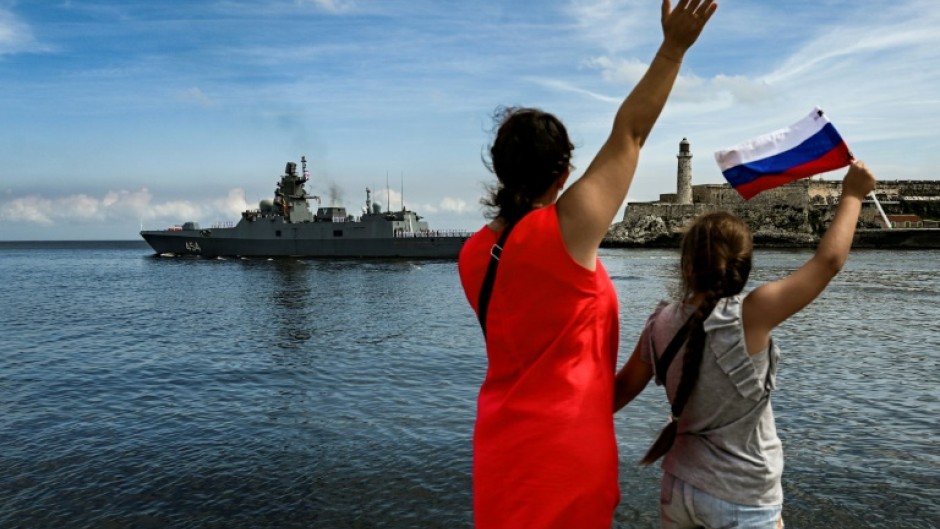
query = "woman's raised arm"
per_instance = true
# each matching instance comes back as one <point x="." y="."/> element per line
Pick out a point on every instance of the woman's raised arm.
<point x="588" y="207"/>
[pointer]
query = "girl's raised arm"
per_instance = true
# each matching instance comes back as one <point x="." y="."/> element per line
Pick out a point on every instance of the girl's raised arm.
<point x="769" y="305"/>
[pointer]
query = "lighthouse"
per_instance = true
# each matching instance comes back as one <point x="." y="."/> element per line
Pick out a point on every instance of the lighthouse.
<point x="684" y="174"/>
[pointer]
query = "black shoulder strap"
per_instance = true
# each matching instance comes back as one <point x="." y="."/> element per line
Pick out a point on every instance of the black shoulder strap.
<point x="663" y="362"/>
<point x="487" y="289"/>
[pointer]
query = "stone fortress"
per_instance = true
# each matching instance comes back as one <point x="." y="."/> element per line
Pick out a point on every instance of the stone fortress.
<point x="793" y="215"/>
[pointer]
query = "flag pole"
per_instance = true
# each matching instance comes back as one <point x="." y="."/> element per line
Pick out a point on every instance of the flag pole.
<point x="880" y="210"/>
<point x="875" y="200"/>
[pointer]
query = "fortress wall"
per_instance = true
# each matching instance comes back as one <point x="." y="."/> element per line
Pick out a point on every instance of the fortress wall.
<point x="870" y="217"/>
<point x="638" y="211"/>
<point x="802" y="207"/>
<point x="918" y="188"/>
<point x="762" y="216"/>
<point x="890" y="189"/>
<point x="924" y="207"/>
<point x="714" y="194"/>
<point x="824" y="191"/>
<point x="896" y="196"/>
<point x="795" y="194"/>
<point x="887" y="191"/>
<point x="724" y="195"/>
<point x="801" y="189"/>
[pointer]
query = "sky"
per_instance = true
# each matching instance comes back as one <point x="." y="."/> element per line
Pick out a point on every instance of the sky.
<point x="122" y="114"/>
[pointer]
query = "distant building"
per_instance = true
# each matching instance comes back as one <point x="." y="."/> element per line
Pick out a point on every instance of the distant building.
<point x="802" y="209"/>
<point x="905" y="221"/>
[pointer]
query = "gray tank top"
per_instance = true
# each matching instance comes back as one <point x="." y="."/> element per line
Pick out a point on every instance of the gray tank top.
<point x="727" y="442"/>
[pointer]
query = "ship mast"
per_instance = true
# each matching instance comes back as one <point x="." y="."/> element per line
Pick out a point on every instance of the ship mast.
<point x="292" y="196"/>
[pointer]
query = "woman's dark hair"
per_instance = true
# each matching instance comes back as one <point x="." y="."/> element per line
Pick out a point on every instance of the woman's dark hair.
<point x="529" y="153"/>
<point x="715" y="262"/>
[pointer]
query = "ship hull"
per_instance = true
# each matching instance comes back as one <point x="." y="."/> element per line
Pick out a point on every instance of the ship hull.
<point x="292" y="242"/>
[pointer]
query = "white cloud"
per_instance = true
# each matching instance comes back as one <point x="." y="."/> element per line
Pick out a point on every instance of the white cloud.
<point x="232" y="204"/>
<point x="455" y="205"/>
<point x="688" y="87"/>
<point x="195" y="95"/>
<point x="332" y="6"/>
<point x="15" y="35"/>
<point x="615" y="25"/>
<point x="32" y="210"/>
<point x="877" y="77"/>
<point x="562" y="86"/>
<point x="386" y="197"/>
<point x="389" y="199"/>
<point x="743" y="89"/>
<point x="120" y="207"/>
<point x="625" y="72"/>
<point x="176" y="211"/>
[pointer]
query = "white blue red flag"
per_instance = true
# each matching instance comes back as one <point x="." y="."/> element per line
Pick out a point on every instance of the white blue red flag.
<point x="808" y="147"/>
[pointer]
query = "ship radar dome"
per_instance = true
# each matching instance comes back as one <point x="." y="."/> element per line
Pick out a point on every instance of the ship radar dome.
<point x="266" y="206"/>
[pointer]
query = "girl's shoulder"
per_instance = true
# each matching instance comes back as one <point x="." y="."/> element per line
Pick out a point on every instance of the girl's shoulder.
<point x="727" y="313"/>
<point x="726" y="341"/>
<point x="668" y="312"/>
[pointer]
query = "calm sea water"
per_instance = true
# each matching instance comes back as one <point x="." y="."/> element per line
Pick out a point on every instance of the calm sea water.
<point x="139" y="391"/>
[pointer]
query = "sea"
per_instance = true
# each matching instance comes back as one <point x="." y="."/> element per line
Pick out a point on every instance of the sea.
<point x="139" y="391"/>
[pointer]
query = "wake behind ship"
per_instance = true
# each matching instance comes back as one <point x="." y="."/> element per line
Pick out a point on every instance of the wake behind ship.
<point x="286" y="227"/>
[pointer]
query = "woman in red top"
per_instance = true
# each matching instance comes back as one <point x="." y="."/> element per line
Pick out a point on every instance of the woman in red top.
<point x="544" y="448"/>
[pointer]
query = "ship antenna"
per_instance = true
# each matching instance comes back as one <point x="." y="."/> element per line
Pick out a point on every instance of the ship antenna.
<point x="388" y="195"/>
<point x="402" y="176"/>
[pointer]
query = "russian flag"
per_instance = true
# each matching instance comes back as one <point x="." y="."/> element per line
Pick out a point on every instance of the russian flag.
<point x="808" y="147"/>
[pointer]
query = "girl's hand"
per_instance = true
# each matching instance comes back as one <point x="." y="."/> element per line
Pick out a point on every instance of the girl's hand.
<point x="859" y="181"/>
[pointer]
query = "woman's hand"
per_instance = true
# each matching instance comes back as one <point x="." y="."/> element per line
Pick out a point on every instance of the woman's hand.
<point x="683" y="25"/>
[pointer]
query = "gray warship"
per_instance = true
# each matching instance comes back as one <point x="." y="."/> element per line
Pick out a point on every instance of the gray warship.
<point x="285" y="227"/>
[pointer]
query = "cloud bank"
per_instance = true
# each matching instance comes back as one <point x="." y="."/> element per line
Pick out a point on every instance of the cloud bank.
<point x="124" y="207"/>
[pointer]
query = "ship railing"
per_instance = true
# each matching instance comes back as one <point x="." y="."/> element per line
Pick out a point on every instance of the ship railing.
<point x="433" y="233"/>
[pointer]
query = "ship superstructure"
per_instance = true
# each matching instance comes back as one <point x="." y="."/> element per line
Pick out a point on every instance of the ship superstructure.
<point x="285" y="226"/>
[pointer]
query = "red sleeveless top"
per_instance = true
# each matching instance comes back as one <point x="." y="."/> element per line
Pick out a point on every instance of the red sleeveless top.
<point x="544" y="452"/>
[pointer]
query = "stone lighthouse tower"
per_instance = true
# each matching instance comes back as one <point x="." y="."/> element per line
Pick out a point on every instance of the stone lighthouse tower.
<point x="684" y="176"/>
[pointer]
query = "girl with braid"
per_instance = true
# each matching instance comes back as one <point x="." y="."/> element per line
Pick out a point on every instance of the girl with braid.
<point x="544" y="451"/>
<point x="713" y="352"/>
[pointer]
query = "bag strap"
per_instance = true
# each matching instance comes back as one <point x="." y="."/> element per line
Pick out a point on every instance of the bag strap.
<point x="487" y="289"/>
<point x="663" y="362"/>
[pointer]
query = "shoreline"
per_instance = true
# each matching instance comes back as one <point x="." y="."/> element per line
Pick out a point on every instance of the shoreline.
<point x="875" y="239"/>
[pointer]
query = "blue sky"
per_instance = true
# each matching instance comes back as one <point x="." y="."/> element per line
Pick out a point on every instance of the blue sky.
<point x="117" y="113"/>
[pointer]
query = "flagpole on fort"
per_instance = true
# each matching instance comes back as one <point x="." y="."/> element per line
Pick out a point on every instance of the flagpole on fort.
<point x="880" y="210"/>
